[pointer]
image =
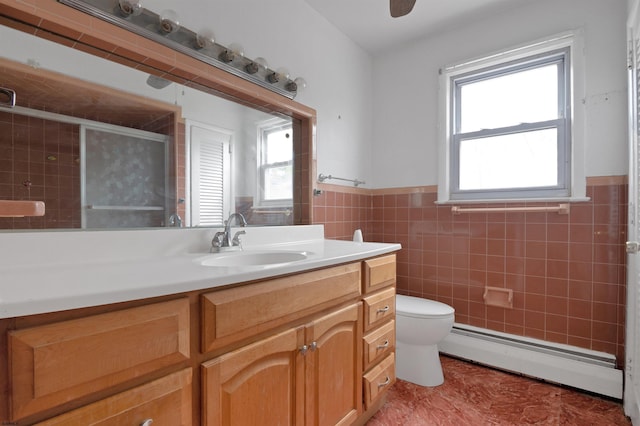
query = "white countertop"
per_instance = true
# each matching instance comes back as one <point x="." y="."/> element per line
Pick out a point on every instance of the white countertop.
<point x="48" y="272"/>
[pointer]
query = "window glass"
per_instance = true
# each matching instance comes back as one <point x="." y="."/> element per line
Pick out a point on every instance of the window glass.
<point x="518" y="160"/>
<point x="279" y="146"/>
<point x="510" y="129"/>
<point x="506" y="100"/>
<point x="276" y="168"/>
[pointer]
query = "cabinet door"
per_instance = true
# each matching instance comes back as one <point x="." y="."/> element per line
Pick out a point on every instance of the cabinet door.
<point x="334" y="367"/>
<point x="259" y="384"/>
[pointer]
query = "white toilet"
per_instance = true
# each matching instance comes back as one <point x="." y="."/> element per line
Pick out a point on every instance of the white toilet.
<point x="420" y="325"/>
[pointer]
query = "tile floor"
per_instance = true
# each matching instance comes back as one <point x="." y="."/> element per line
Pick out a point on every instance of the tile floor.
<point x="478" y="396"/>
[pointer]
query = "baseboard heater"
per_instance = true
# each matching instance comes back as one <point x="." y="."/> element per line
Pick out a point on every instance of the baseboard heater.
<point x="563" y="364"/>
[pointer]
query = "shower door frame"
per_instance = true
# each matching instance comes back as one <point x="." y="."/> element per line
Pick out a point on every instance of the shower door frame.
<point x="125" y="131"/>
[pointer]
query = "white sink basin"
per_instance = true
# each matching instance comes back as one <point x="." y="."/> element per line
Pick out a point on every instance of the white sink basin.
<point x="253" y="258"/>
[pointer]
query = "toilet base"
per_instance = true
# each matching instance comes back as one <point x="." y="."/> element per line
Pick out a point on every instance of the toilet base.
<point x="419" y="364"/>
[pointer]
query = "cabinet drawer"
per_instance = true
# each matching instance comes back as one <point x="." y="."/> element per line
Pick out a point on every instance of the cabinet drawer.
<point x="378" y="380"/>
<point x="166" y="401"/>
<point x="379" y="272"/>
<point x="379" y="307"/>
<point x="237" y="313"/>
<point x="60" y="362"/>
<point x="379" y="343"/>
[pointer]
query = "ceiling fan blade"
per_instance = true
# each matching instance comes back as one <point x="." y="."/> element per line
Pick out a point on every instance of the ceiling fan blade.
<point x="401" y="7"/>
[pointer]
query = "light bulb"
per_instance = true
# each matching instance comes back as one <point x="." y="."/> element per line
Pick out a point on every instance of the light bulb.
<point x="255" y="65"/>
<point x="231" y="52"/>
<point x="262" y="62"/>
<point x="301" y="83"/>
<point x="169" y="21"/>
<point x="130" y="7"/>
<point x="282" y="73"/>
<point x="236" y="49"/>
<point x="297" y="85"/>
<point x="205" y="39"/>
<point x="279" y="74"/>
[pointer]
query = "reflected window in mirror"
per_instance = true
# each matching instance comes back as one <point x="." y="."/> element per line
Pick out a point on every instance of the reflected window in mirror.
<point x="275" y="167"/>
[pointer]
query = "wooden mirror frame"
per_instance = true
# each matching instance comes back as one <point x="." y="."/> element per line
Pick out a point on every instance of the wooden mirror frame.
<point x="64" y="25"/>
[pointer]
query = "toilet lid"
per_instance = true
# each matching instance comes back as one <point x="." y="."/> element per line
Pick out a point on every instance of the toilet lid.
<point x="421" y="308"/>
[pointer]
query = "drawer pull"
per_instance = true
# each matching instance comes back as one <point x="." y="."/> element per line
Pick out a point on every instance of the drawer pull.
<point x="147" y="422"/>
<point x="313" y="346"/>
<point x="385" y="345"/>
<point x="383" y="310"/>
<point x="304" y="349"/>
<point x="385" y="383"/>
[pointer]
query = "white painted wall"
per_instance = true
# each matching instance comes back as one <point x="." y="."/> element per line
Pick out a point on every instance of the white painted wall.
<point x="377" y="118"/>
<point x="405" y="149"/>
<point x="289" y="33"/>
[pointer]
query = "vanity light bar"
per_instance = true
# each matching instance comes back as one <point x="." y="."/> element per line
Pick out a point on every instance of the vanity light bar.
<point x="148" y="24"/>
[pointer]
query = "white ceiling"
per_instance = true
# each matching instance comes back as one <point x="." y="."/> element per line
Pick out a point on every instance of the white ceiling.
<point x="369" y="24"/>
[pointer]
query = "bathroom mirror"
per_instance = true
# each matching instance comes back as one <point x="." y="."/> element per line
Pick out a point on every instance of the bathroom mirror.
<point x="109" y="146"/>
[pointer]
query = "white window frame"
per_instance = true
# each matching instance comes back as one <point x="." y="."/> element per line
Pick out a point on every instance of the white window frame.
<point x="264" y="127"/>
<point x="576" y="185"/>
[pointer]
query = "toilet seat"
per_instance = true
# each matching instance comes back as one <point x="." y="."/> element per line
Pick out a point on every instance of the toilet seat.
<point x="417" y="307"/>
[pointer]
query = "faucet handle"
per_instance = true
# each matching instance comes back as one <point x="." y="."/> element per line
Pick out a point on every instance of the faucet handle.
<point x="236" y="238"/>
<point x="217" y="241"/>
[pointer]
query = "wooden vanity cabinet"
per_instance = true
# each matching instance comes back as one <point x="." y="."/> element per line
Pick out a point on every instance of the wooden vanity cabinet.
<point x="308" y="374"/>
<point x="52" y="364"/>
<point x="162" y="402"/>
<point x="314" y="348"/>
<point x="379" y="288"/>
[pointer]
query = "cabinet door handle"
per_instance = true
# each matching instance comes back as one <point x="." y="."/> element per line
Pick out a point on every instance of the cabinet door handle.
<point x="383" y="310"/>
<point x="313" y="346"/>
<point x="385" y="345"/>
<point x="385" y="383"/>
<point x="304" y="349"/>
<point x="147" y="422"/>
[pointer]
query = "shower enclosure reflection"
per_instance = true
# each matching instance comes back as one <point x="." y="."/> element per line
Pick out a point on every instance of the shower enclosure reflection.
<point x="106" y="157"/>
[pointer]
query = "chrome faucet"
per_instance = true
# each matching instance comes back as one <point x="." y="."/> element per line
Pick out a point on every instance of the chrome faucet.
<point x="222" y="240"/>
<point x="175" y="220"/>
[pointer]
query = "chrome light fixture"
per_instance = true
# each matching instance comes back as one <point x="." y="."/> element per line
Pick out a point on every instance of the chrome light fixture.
<point x="165" y="28"/>
<point x="169" y="22"/>
<point x="130" y="7"/>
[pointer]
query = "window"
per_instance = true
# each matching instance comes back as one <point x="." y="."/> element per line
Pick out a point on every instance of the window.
<point x="275" y="164"/>
<point x="509" y="126"/>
